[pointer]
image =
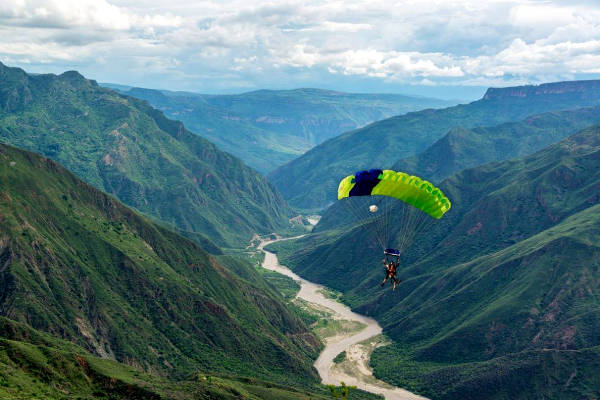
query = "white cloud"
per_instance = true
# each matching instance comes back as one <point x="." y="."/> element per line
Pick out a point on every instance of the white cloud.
<point x="303" y="42"/>
<point x="92" y="14"/>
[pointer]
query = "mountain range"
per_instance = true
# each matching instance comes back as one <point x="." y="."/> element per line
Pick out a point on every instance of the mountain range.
<point x="462" y="148"/>
<point x="125" y="147"/>
<point x="267" y="128"/>
<point x="36" y="365"/>
<point x="310" y="181"/>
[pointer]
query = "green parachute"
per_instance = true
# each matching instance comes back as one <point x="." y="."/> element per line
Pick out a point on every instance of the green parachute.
<point x="412" y="204"/>
<point x="408" y="188"/>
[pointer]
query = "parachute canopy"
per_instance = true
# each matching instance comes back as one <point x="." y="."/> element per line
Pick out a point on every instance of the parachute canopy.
<point x="411" y="189"/>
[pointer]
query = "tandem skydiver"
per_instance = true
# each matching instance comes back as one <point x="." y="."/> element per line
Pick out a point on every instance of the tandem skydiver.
<point x="391" y="267"/>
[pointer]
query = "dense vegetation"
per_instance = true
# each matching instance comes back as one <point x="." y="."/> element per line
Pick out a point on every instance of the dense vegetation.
<point x="125" y="147"/>
<point x="500" y="296"/>
<point x="310" y="181"/>
<point x="78" y="264"/>
<point x="518" y="323"/>
<point x="268" y="128"/>
<point x="35" y="365"/>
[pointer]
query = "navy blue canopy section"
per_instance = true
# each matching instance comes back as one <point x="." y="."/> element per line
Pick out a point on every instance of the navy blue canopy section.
<point x="365" y="181"/>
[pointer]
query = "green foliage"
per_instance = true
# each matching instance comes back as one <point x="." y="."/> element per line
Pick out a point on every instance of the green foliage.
<point x="125" y="147"/>
<point x="533" y="374"/>
<point x="310" y="181"/>
<point x="340" y="358"/>
<point x="34" y="365"/>
<point x="342" y="392"/>
<point x="288" y="287"/>
<point x="268" y="128"/>
<point x="79" y="264"/>
<point x="328" y="327"/>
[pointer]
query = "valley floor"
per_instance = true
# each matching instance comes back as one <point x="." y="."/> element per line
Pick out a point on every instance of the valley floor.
<point x="355" y="334"/>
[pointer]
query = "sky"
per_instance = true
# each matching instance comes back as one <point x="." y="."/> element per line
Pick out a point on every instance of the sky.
<point x="446" y="49"/>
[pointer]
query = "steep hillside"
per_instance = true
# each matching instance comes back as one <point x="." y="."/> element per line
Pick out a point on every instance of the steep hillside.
<point x="310" y="180"/>
<point x="268" y="128"/>
<point x="123" y="146"/>
<point x="34" y="365"/>
<point x="76" y="263"/>
<point x="463" y="148"/>
<point x="519" y="323"/>
<point x="500" y="298"/>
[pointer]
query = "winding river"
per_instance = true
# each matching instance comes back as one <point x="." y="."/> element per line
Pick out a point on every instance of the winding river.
<point x="312" y="293"/>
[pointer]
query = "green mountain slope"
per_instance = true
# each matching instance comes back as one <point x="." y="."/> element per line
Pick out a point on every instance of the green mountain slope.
<point x="34" y="365"/>
<point x="464" y="148"/>
<point x="123" y="146"/>
<point x="519" y="323"/>
<point x="76" y="263"/>
<point x="500" y="297"/>
<point x="310" y="181"/>
<point x="268" y="128"/>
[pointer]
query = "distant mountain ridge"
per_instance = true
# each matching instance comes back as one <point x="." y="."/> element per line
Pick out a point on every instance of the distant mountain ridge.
<point x="127" y="148"/>
<point x="267" y="128"/>
<point x="464" y="148"/>
<point x="583" y="88"/>
<point x="310" y="181"/>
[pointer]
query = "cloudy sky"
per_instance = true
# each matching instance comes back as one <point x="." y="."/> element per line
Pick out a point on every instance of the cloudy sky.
<point x="444" y="48"/>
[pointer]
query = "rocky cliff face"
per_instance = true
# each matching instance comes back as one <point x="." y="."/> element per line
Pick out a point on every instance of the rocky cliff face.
<point x="567" y="87"/>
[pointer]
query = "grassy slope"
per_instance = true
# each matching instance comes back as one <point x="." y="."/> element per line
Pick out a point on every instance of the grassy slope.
<point x="311" y="180"/>
<point x="123" y="146"/>
<point x="34" y="365"/>
<point x="77" y="263"/>
<point x="268" y="128"/>
<point x="511" y="270"/>
<point x="494" y="206"/>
